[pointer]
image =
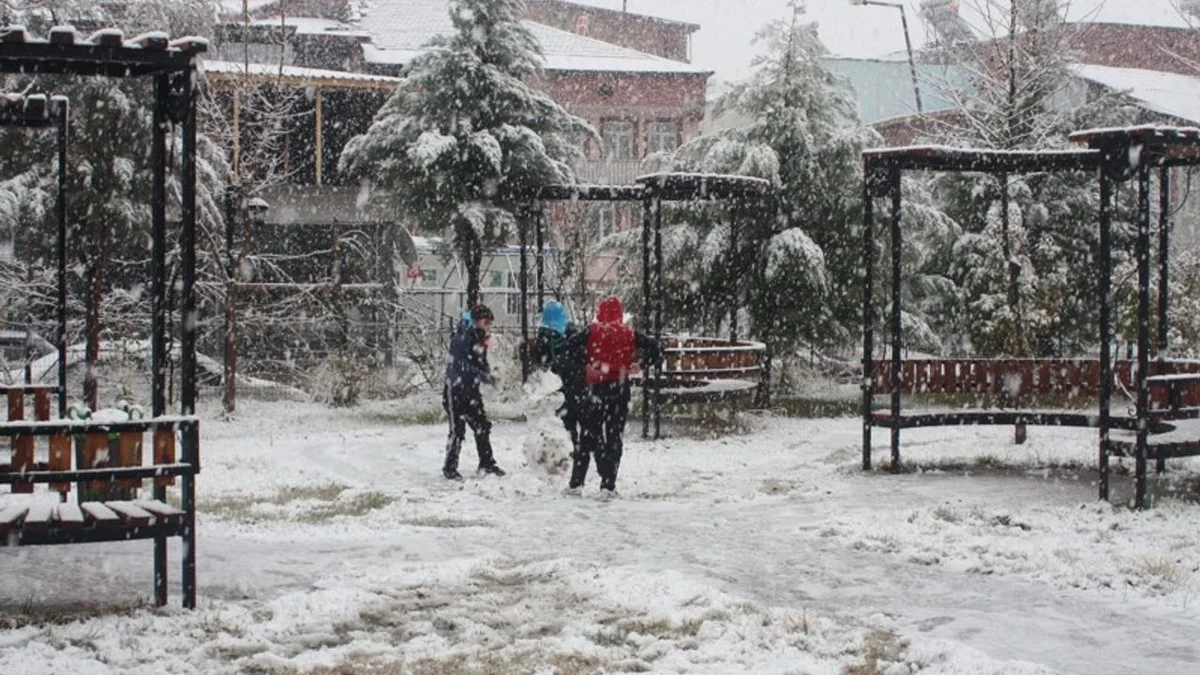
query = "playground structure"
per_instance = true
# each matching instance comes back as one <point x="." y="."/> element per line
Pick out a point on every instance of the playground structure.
<point x="108" y="456"/>
<point x="697" y="370"/>
<point x="1116" y="155"/>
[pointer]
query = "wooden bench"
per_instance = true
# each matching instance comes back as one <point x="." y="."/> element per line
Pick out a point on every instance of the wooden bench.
<point x="104" y="463"/>
<point x="1175" y="395"/>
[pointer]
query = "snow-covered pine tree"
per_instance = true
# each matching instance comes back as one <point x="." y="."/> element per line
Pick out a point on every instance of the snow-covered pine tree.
<point x="465" y="142"/>
<point x="795" y="255"/>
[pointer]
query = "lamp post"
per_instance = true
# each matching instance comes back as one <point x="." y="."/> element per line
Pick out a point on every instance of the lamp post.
<point x="912" y="64"/>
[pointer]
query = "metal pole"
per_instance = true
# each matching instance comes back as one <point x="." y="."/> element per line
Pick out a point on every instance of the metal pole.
<point x="64" y="135"/>
<point x="539" y="241"/>
<point x="1164" y="247"/>
<point x="868" y="381"/>
<point x="658" y="315"/>
<point x="734" y="295"/>
<point x="158" y="311"/>
<point x="188" y="321"/>
<point x="1143" y="331"/>
<point x="1164" y="243"/>
<point x="647" y="223"/>
<point x="158" y="267"/>
<point x="912" y="64"/>
<point x="896" y="335"/>
<point x="523" y="285"/>
<point x="1104" y="275"/>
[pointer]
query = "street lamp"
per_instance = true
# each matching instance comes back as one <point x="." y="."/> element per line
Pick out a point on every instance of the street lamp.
<point x="912" y="64"/>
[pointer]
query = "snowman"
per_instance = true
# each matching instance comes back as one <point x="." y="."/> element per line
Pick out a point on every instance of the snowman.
<point x="547" y="445"/>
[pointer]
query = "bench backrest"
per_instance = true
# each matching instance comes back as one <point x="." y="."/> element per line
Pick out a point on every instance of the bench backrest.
<point x="1022" y="377"/>
<point x="109" y="458"/>
<point x="23" y="446"/>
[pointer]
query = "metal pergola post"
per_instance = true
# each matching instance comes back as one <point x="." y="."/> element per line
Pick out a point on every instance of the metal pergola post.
<point x="647" y="223"/>
<point x="734" y="277"/>
<point x="894" y="181"/>
<point x="188" y="326"/>
<point x="60" y="207"/>
<point x="658" y="313"/>
<point x="868" y="364"/>
<point x="1143" y="330"/>
<point x="1164" y="268"/>
<point x="1104" y="286"/>
<point x="1164" y="271"/>
<point x="540" y="243"/>
<point x="158" y="303"/>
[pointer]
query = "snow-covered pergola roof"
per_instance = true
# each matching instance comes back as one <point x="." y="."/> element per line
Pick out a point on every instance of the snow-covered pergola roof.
<point x="400" y="29"/>
<point x="105" y="52"/>
<point x="945" y="158"/>
<point x="1170" y="94"/>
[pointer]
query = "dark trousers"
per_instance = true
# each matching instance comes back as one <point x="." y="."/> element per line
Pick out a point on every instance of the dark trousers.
<point x="602" y="425"/>
<point x="464" y="405"/>
<point x="569" y="414"/>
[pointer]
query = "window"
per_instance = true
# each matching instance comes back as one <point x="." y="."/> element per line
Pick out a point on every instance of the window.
<point x="663" y="136"/>
<point x="514" y="295"/>
<point x="429" y="277"/>
<point x="497" y="279"/>
<point x="618" y="140"/>
<point x="602" y="221"/>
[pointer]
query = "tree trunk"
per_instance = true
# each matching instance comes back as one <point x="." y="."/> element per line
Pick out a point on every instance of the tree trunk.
<point x="473" y="257"/>
<point x="91" y="388"/>
<point x="231" y="351"/>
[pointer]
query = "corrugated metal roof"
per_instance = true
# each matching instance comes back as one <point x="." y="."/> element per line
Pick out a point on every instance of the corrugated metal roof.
<point x="298" y="73"/>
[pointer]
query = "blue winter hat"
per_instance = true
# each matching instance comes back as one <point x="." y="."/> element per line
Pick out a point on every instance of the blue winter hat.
<point x="555" y="317"/>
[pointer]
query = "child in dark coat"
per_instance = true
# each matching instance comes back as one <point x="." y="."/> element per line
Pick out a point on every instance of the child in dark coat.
<point x="467" y="368"/>
<point x="612" y="350"/>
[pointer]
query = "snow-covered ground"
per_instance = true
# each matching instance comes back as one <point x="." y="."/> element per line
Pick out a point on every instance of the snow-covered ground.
<point x="328" y="542"/>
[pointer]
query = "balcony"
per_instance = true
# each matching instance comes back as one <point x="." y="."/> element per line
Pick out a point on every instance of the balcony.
<point x="609" y="172"/>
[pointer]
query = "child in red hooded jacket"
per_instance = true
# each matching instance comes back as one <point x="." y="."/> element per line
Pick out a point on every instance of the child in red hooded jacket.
<point x="613" y="350"/>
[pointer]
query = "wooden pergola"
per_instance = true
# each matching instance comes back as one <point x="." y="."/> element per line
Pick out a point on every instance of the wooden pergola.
<point x="172" y="65"/>
<point x="652" y="191"/>
<point x="1115" y="155"/>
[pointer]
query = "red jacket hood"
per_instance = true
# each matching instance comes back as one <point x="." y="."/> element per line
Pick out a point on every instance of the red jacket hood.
<point x="611" y="311"/>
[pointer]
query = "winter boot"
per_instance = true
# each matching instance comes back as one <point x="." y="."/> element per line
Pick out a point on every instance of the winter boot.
<point x="450" y="468"/>
<point x="493" y="469"/>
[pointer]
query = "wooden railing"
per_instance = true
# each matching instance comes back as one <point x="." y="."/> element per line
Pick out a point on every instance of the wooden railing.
<point x="1026" y="377"/>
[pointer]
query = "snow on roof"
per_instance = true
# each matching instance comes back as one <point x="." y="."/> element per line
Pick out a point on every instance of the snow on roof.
<point x="568" y="51"/>
<point x="297" y="72"/>
<point x="872" y="31"/>
<point x="401" y="28"/>
<point x="238" y="6"/>
<point x="639" y="11"/>
<point x="308" y="25"/>
<point x="1171" y="94"/>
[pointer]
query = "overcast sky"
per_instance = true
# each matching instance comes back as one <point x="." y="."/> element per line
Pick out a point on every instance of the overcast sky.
<point x="728" y="26"/>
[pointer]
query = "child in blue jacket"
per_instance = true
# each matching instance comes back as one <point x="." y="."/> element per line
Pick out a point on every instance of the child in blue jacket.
<point x="467" y="368"/>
